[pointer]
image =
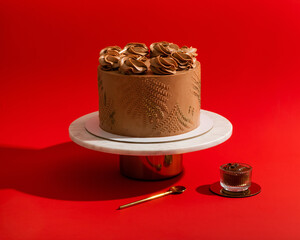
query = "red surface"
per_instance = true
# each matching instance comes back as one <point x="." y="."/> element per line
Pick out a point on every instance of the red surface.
<point x="50" y="188"/>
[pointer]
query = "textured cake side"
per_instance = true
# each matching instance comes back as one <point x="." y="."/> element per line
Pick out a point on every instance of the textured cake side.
<point x="149" y="105"/>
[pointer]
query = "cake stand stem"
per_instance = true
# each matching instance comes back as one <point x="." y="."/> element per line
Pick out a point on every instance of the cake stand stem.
<point x="151" y="167"/>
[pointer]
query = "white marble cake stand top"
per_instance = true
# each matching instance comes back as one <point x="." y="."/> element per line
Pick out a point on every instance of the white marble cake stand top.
<point x="219" y="133"/>
<point x="92" y="126"/>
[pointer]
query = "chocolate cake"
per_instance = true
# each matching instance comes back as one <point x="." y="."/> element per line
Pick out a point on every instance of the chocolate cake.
<point x="146" y="93"/>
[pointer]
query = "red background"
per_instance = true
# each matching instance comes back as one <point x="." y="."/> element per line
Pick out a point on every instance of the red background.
<point x="50" y="188"/>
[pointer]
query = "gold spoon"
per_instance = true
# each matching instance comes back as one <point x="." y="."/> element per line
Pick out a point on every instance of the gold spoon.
<point x="172" y="190"/>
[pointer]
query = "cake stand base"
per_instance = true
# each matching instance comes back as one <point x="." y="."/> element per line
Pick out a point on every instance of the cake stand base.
<point x="151" y="167"/>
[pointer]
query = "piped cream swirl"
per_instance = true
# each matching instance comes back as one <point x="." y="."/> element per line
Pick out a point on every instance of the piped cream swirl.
<point x="163" y="65"/>
<point x="109" y="61"/>
<point x="132" y="64"/>
<point x="162" y="49"/>
<point x="110" y="50"/>
<point x="192" y="51"/>
<point x="135" y="49"/>
<point x="185" y="61"/>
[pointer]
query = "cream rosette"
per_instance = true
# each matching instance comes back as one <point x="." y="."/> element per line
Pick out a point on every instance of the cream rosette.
<point x="113" y="50"/>
<point x="185" y="61"/>
<point x="162" y="49"/>
<point x="109" y="61"/>
<point x="132" y="64"/>
<point x="189" y="50"/>
<point x="163" y="65"/>
<point x="135" y="49"/>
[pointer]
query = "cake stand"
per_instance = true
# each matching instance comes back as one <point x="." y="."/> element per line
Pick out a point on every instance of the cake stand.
<point x="147" y="159"/>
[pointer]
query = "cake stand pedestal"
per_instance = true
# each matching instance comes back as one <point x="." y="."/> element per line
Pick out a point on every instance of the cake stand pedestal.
<point x="151" y="160"/>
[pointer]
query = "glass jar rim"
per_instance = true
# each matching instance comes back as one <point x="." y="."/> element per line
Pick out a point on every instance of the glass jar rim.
<point x="242" y="164"/>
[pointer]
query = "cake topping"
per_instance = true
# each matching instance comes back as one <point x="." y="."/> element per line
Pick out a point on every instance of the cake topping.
<point x="110" y="60"/>
<point x="110" y="50"/>
<point x="136" y="49"/>
<point x="185" y="61"/>
<point x="162" y="49"/>
<point x="192" y="51"/>
<point x="132" y="64"/>
<point x="235" y="167"/>
<point x="163" y="65"/>
<point x="165" y="58"/>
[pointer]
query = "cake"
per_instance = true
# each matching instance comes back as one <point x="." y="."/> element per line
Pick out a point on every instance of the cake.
<point x="149" y="93"/>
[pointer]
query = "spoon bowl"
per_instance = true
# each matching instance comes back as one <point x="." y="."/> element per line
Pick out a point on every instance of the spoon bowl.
<point x="177" y="189"/>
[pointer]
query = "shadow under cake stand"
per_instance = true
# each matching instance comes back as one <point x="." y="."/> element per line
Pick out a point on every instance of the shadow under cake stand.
<point x="151" y="158"/>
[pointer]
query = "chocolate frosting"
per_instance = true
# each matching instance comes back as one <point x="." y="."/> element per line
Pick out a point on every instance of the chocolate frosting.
<point x="163" y="65"/>
<point x="185" y="61"/>
<point x="162" y="48"/>
<point x="192" y="51"/>
<point x="110" y="50"/>
<point x="136" y="49"/>
<point x="110" y="60"/>
<point x="235" y="167"/>
<point x="165" y="58"/>
<point x="132" y="64"/>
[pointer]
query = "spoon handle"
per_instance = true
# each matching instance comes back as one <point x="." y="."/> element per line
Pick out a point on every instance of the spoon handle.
<point x="145" y="200"/>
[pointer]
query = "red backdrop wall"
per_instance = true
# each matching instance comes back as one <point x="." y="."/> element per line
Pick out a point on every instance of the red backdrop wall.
<point x="51" y="188"/>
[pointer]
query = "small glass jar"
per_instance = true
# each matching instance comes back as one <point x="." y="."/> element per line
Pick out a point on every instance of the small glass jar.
<point x="235" y="177"/>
